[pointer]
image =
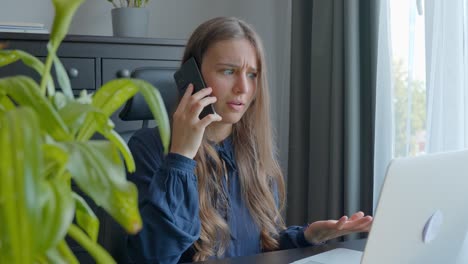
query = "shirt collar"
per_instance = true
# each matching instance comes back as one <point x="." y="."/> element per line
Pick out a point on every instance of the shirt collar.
<point x="226" y="152"/>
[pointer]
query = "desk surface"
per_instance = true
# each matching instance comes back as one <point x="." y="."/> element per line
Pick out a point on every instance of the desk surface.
<point x="290" y="255"/>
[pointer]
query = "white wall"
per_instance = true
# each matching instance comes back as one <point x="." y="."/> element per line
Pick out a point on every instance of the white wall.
<point x="176" y="19"/>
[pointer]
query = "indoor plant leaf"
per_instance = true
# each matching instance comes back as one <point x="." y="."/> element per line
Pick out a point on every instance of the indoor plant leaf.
<point x="40" y="155"/>
<point x="156" y="104"/>
<point x="61" y="254"/>
<point x="116" y="92"/>
<point x="62" y="77"/>
<point x="74" y="113"/>
<point x="120" y="143"/>
<point x="55" y="160"/>
<point x="57" y="211"/>
<point x="64" y="11"/>
<point x="24" y="91"/>
<point x="10" y="56"/>
<point x="94" y="249"/>
<point x="85" y="217"/>
<point x="108" y="99"/>
<point x="5" y="103"/>
<point x="20" y="166"/>
<point x="98" y="170"/>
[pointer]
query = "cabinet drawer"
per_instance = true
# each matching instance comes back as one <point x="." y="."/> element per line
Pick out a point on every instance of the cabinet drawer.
<point x="114" y="68"/>
<point x="80" y="71"/>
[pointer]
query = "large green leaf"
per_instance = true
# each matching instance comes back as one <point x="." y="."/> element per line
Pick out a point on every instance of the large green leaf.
<point x="98" y="170"/>
<point x="24" y="91"/>
<point x="108" y="99"/>
<point x="20" y="166"/>
<point x="36" y="210"/>
<point x="5" y="103"/>
<point x="55" y="200"/>
<point x="56" y="197"/>
<point x="55" y="162"/>
<point x="158" y="109"/>
<point x="57" y="212"/>
<point x="116" y="92"/>
<point x="11" y="56"/>
<point x="64" y="11"/>
<point x="73" y="115"/>
<point x="120" y="143"/>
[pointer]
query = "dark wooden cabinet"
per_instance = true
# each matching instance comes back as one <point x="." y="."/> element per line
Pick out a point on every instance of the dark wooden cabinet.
<point x="91" y="61"/>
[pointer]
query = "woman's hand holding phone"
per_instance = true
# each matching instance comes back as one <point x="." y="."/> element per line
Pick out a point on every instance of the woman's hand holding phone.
<point x="187" y="127"/>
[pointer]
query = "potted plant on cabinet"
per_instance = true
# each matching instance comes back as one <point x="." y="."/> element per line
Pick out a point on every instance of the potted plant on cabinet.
<point x="129" y="18"/>
<point x="45" y="139"/>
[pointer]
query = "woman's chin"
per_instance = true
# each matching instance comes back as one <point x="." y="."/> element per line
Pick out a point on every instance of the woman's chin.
<point x="231" y="118"/>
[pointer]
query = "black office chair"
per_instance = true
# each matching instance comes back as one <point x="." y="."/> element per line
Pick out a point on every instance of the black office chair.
<point x="136" y="109"/>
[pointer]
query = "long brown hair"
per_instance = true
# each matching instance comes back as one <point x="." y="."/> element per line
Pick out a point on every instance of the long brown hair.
<point x="252" y="136"/>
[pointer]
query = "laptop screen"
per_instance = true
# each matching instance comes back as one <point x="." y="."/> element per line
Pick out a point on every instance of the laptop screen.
<point x="422" y="213"/>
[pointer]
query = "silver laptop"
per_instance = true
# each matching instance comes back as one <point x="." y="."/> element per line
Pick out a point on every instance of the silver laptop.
<point x="421" y="217"/>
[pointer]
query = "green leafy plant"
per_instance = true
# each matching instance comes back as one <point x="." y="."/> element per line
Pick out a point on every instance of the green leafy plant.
<point x="46" y="143"/>
<point x="128" y="3"/>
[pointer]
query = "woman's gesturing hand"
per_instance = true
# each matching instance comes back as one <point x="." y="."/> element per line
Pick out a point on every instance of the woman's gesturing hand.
<point x="187" y="128"/>
<point x="321" y="231"/>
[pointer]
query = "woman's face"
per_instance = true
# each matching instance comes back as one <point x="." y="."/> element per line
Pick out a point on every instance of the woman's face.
<point x="230" y="68"/>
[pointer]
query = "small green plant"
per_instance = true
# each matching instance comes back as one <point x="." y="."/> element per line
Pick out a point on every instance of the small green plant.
<point x="45" y="139"/>
<point x="128" y="3"/>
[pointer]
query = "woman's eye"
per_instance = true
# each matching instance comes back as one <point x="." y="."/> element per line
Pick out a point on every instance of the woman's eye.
<point x="252" y="75"/>
<point x="228" y="72"/>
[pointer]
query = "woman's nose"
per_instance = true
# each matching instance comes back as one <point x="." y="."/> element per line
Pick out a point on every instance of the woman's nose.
<point x="242" y="85"/>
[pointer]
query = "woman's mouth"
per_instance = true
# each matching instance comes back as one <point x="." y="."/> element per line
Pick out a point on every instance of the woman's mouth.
<point x="236" y="105"/>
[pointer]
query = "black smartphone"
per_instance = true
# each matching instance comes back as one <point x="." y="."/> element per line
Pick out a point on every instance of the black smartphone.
<point x="189" y="73"/>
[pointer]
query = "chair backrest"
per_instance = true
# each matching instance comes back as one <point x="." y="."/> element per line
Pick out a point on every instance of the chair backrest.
<point x="136" y="108"/>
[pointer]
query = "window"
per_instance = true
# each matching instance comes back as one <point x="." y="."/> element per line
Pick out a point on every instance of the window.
<point x="408" y="71"/>
<point x="422" y="82"/>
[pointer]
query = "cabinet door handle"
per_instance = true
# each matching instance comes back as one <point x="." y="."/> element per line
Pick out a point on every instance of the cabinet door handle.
<point x="124" y="73"/>
<point x="73" y="72"/>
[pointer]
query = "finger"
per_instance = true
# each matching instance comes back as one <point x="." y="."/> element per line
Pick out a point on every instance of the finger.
<point x="210" y="119"/>
<point x="202" y="94"/>
<point x="364" y="227"/>
<point x="186" y="97"/>
<point x="367" y="227"/>
<point x="360" y="225"/>
<point x="340" y="224"/>
<point x="356" y="216"/>
<point x="197" y="108"/>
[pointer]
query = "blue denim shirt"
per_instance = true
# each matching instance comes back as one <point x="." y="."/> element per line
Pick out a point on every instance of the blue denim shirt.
<point x="168" y="201"/>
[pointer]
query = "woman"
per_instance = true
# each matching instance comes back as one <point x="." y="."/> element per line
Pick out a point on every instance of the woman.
<point x="220" y="191"/>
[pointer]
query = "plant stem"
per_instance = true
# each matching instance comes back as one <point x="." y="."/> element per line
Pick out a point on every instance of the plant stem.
<point x="94" y="249"/>
<point x="46" y="73"/>
<point x="67" y="253"/>
<point x="112" y="2"/>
